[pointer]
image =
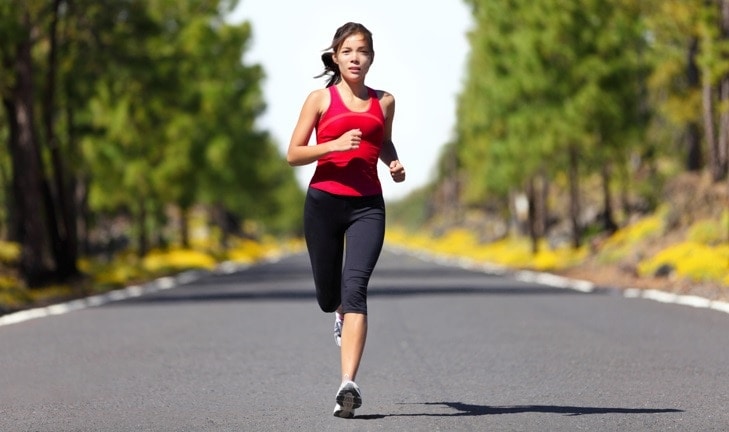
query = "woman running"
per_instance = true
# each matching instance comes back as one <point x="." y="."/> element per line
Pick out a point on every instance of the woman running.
<point x="344" y="212"/>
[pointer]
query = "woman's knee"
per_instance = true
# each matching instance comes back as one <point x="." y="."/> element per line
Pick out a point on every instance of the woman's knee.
<point x="328" y="305"/>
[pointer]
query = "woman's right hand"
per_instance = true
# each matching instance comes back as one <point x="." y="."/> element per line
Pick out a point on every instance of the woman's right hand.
<point x="348" y="141"/>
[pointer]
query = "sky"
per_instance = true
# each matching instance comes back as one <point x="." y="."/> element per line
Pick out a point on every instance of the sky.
<point x="421" y="50"/>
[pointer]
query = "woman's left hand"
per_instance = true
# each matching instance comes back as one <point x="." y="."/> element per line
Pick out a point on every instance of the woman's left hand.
<point x="397" y="171"/>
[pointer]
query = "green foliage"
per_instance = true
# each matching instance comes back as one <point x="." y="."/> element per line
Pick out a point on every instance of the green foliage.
<point x="153" y="110"/>
<point x="170" y="112"/>
<point x="545" y="76"/>
<point x="672" y="25"/>
<point x="410" y="212"/>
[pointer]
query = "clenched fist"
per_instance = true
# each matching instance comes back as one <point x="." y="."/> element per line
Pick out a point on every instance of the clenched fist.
<point x="349" y="140"/>
<point x="397" y="171"/>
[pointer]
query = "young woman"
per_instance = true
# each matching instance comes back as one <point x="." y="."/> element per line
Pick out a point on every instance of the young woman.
<point x="344" y="207"/>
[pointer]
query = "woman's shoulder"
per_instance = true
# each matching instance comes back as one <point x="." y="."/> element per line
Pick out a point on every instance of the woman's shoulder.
<point x="319" y="94"/>
<point x="319" y="98"/>
<point x="383" y="95"/>
<point x="387" y="102"/>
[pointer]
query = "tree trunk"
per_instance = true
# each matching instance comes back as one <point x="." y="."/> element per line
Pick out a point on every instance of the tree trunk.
<point x="78" y="187"/>
<point x="532" y="215"/>
<point x="142" y="239"/>
<point x="12" y="233"/>
<point x="608" y="220"/>
<point x="453" y="199"/>
<point x="574" y="186"/>
<point x="694" y="156"/>
<point x="716" y="144"/>
<point x="160" y="221"/>
<point x="537" y="192"/>
<point x="65" y="248"/>
<point x="544" y="204"/>
<point x="27" y="171"/>
<point x="83" y="230"/>
<point x="5" y="188"/>
<point x="723" y="144"/>
<point x="709" y="132"/>
<point x="184" y="227"/>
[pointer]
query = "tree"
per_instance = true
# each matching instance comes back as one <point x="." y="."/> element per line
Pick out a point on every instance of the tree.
<point x="28" y="177"/>
<point x="674" y="83"/>
<point x="713" y="60"/>
<point x="552" y="88"/>
<point x="127" y="108"/>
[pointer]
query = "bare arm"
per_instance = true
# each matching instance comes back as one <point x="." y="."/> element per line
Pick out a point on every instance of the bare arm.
<point x="299" y="151"/>
<point x="388" y="153"/>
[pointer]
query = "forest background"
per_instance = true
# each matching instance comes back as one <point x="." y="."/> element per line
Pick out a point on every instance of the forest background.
<point x="591" y="140"/>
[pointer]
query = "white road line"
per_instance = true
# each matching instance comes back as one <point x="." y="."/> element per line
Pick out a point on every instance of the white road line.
<point x="132" y="291"/>
<point x="129" y="292"/>
<point x="573" y="284"/>
<point x="170" y="282"/>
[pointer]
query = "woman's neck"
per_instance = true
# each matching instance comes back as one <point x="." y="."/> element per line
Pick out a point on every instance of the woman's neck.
<point x="355" y="90"/>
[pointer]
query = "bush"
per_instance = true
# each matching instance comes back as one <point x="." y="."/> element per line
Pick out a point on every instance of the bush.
<point x="9" y="252"/>
<point x="707" y="232"/>
<point x="693" y="261"/>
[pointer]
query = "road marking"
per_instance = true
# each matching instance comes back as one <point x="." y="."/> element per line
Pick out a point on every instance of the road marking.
<point x="132" y="291"/>
<point x="679" y="299"/>
<point x="170" y="282"/>
<point x="160" y="284"/>
<point x="573" y="284"/>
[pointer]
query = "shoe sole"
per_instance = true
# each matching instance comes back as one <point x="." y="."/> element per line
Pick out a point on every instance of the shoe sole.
<point x="349" y="398"/>
<point x="343" y="413"/>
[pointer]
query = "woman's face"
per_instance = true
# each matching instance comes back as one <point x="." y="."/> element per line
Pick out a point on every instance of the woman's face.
<point x="354" y="57"/>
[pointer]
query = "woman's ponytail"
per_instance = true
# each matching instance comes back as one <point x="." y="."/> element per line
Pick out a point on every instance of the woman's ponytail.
<point x="330" y="68"/>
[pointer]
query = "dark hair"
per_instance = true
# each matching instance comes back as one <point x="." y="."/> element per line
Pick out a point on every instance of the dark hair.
<point x="342" y="33"/>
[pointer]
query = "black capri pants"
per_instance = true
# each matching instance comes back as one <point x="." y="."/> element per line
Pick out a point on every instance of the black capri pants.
<point x="331" y="223"/>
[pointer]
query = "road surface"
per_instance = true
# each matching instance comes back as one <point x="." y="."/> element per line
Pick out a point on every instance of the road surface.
<point x="448" y="350"/>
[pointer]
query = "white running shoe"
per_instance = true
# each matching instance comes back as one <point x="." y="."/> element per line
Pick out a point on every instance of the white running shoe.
<point x="339" y="411"/>
<point x="349" y="398"/>
<point x="338" y="329"/>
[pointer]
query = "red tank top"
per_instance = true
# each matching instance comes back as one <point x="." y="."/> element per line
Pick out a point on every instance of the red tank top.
<point x="353" y="172"/>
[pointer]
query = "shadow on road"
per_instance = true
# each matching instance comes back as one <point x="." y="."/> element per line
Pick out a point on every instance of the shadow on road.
<point x="291" y="280"/>
<point x="467" y="410"/>
<point x="240" y="294"/>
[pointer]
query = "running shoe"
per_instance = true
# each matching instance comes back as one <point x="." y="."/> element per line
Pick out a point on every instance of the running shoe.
<point x="338" y="329"/>
<point x="349" y="398"/>
<point x="339" y="411"/>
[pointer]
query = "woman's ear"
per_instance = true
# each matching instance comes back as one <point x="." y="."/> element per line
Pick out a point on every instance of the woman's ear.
<point x="334" y="58"/>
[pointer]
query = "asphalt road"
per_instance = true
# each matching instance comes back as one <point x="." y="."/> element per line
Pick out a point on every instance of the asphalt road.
<point x="448" y="350"/>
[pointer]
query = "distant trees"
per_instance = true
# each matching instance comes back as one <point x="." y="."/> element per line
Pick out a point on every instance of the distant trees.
<point x="569" y="91"/>
<point x="128" y="108"/>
